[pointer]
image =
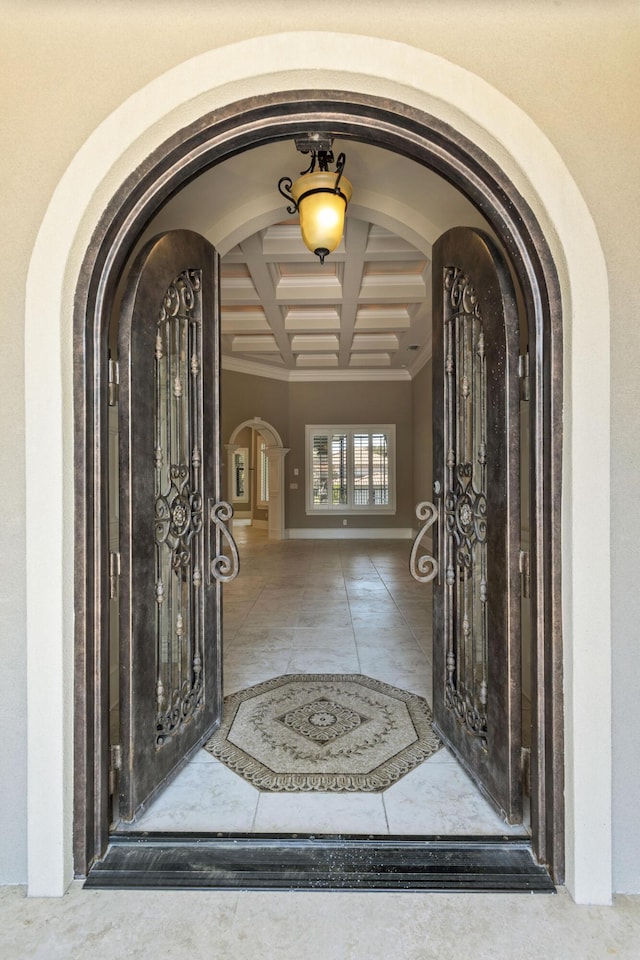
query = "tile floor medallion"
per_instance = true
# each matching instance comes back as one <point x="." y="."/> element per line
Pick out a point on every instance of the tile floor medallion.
<point x="324" y="732"/>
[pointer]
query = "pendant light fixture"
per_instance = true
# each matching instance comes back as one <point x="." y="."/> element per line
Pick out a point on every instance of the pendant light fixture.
<point x="319" y="196"/>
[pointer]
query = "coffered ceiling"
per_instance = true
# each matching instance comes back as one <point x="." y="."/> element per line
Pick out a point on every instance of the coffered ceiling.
<point x="365" y="313"/>
<point x="366" y="308"/>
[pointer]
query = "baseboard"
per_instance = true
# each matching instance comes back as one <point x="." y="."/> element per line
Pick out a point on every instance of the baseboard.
<point x="349" y="533"/>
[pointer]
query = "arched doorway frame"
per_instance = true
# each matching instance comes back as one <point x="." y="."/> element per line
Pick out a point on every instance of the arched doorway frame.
<point x="249" y="124"/>
<point x="458" y="116"/>
<point x="276" y="452"/>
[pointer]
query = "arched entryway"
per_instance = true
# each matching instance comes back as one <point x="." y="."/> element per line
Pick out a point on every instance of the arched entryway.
<point x="275" y="453"/>
<point x="429" y="142"/>
<point x="448" y="145"/>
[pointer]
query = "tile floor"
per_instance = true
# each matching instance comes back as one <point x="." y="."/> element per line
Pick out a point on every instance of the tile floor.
<point x="325" y="606"/>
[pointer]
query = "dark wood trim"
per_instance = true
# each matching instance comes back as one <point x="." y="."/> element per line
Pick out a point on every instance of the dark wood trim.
<point x="145" y="861"/>
<point x="208" y="141"/>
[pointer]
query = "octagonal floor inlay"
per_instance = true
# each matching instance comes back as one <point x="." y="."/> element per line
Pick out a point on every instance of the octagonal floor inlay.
<point x="324" y="732"/>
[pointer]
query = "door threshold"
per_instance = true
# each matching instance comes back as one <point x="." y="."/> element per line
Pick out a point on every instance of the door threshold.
<point x="222" y="861"/>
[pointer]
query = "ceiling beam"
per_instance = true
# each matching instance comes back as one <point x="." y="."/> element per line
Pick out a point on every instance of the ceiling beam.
<point x="356" y="234"/>
<point x="265" y="288"/>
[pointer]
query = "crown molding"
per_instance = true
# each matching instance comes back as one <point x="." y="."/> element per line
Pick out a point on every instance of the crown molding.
<point x="254" y="369"/>
<point x="356" y="375"/>
<point x="301" y="376"/>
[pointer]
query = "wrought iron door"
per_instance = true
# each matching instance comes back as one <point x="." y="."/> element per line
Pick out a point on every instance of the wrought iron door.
<point x="172" y="517"/>
<point x="476" y="514"/>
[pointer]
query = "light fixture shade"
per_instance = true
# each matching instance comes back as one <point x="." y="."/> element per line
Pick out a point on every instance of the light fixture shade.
<point x="321" y="209"/>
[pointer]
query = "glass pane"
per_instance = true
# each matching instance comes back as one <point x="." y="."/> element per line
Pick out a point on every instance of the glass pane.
<point x="178" y="508"/>
<point x="320" y="470"/>
<point x="466" y="613"/>
<point x="361" y="470"/>
<point x="370" y="470"/>
<point x="339" y="469"/>
<point x="380" y="469"/>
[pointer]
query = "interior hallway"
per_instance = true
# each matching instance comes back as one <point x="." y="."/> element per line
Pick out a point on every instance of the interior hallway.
<point x="325" y="606"/>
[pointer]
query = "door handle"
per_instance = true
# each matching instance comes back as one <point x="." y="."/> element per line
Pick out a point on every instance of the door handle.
<point x="222" y="567"/>
<point x="426" y="568"/>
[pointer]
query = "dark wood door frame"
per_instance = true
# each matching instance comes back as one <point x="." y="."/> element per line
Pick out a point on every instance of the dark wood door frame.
<point x="210" y="140"/>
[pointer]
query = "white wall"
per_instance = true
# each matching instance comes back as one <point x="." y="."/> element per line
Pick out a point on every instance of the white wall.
<point x="572" y="68"/>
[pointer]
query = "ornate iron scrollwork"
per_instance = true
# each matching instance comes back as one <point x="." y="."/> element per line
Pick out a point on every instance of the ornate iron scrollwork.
<point x="464" y="548"/>
<point x="223" y="567"/>
<point x="178" y="516"/>
<point x="466" y="516"/>
<point x="424" y="568"/>
<point x="178" y="509"/>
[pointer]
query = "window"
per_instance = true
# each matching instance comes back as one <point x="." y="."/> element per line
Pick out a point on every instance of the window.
<point x="351" y="469"/>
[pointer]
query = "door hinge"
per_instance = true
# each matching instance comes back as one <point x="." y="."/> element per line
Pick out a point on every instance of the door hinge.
<point x="114" y="382"/>
<point x="525" y="378"/>
<point x="525" y="769"/>
<point x="114" y="573"/>
<point x="525" y="573"/>
<point x="115" y="764"/>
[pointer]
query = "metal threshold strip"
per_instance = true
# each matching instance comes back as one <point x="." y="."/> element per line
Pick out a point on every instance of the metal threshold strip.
<point x="308" y="862"/>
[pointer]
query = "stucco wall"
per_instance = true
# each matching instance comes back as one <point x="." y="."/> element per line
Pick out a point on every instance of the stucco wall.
<point x="571" y="66"/>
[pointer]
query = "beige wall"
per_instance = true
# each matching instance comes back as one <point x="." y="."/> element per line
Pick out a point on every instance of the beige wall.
<point x="345" y="403"/>
<point x="571" y="66"/>
<point x="244" y="397"/>
<point x="422" y="436"/>
<point x="289" y="407"/>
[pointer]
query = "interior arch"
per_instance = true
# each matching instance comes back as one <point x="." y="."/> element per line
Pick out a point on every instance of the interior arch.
<point x="276" y="452"/>
<point x="270" y="433"/>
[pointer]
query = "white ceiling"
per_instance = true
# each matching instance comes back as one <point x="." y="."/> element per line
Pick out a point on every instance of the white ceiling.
<point x="365" y="313"/>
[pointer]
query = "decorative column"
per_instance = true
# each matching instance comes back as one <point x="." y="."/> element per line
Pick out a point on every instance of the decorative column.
<point x="275" y="456"/>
